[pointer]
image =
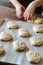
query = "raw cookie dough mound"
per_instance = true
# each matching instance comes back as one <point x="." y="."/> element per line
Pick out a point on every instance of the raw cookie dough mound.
<point x="38" y="28"/>
<point x="19" y="46"/>
<point x="39" y="20"/>
<point x="32" y="19"/>
<point x="12" y="25"/>
<point x="36" y="41"/>
<point x="24" y="32"/>
<point x="2" y="50"/>
<point x="4" y="36"/>
<point x="33" y="57"/>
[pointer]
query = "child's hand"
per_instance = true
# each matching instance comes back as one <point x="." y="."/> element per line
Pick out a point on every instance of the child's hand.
<point x="29" y="11"/>
<point x="20" y="11"/>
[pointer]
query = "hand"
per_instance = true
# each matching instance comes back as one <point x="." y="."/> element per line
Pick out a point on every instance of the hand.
<point x="29" y="11"/>
<point x="20" y="11"/>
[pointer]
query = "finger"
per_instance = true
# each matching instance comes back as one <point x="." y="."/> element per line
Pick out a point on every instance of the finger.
<point x="23" y="9"/>
<point x="25" y="16"/>
<point x="18" y="15"/>
<point x="28" y="17"/>
<point x="20" y="12"/>
<point x="31" y="16"/>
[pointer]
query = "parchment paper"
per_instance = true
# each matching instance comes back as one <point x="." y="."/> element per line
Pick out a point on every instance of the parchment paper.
<point x="12" y="56"/>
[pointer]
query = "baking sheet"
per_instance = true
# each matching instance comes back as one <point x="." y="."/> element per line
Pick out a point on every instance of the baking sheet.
<point x="12" y="56"/>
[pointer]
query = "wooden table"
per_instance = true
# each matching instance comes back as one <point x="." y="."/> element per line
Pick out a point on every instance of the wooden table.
<point x="6" y="12"/>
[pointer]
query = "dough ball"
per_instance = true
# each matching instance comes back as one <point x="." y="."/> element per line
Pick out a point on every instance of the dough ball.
<point x="33" y="57"/>
<point x="12" y="25"/>
<point x="36" y="41"/>
<point x="2" y="50"/>
<point x="23" y="32"/>
<point x="19" y="46"/>
<point x="38" y="28"/>
<point x="4" y="36"/>
<point x="39" y="20"/>
<point x="32" y="19"/>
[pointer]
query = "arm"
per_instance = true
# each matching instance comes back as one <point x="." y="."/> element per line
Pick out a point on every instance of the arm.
<point x="15" y="3"/>
<point x="19" y="8"/>
<point x="38" y="3"/>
